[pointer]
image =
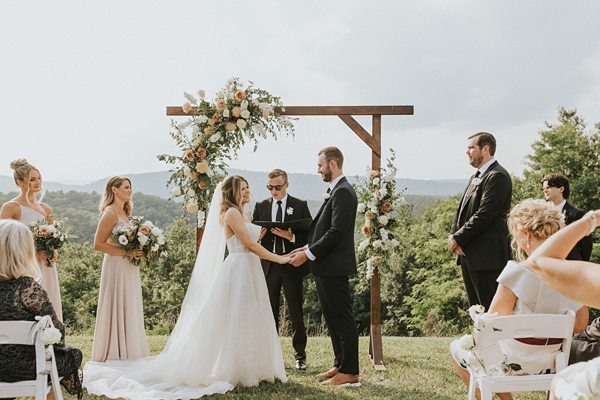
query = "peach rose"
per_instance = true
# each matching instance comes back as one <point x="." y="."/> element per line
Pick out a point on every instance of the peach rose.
<point x="209" y="130"/>
<point x="240" y="95"/>
<point x="230" y="126"/>
<point x="386" y="206"/>
<point x="370" y="215"/>
<point x="216" y="117"/>
<point x="377" y="260"/>
<point x="202" y="167"/>
<point x="189" y="155"/>
<point x="373" y="173"/>
<point x="187" y="107"/>
<point x="144" y="230"/>
<point x="192" y="207"/>
<point x="202" y="185"/>
<point x="220" y="104"/>
<point x="236" y="112"/>
<point x="201" y="153"/>
<point x="194" y="175"/>
<point x="265" y="113"/>
<point x="44" y="232"/>
<point x="366" y="230"/>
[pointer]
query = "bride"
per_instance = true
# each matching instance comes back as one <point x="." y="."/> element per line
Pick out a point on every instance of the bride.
<point x="225" y="335"/>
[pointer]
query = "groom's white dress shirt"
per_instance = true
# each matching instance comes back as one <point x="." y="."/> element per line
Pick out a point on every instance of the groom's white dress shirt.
<point x="332" y="184"/>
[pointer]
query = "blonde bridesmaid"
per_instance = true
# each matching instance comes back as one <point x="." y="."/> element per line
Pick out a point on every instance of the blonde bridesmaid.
<point x="119" y="333"/>
<point x="27" y="209"/>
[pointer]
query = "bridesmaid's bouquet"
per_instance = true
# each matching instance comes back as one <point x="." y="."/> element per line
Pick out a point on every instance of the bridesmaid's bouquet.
<point x="141" y="235"/>
<point x="49" y="236"/>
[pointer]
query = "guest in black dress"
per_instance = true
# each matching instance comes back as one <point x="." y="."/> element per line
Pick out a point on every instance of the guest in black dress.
<point x="22" y="299"/>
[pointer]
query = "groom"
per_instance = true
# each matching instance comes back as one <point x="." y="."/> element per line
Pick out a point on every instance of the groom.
<point x="330" y="250"/>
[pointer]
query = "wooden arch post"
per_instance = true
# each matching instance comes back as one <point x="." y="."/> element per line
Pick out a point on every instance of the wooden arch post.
<point x="373" y="140"/>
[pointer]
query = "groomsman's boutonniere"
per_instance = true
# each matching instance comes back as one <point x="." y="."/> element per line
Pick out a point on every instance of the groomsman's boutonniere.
<point x="476" y="181"/>
<point x="326" y="195"/>
<point x="289" y="211"/>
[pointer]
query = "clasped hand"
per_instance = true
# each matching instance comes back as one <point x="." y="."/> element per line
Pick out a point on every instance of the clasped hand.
<point x="298" y="257"/>
<point x="454" y="247"/>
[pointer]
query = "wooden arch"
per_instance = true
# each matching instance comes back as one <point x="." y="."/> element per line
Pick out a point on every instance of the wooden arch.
<point x="373" y="140"/>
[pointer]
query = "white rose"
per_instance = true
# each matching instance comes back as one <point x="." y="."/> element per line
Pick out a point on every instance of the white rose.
<point x="383" y="192"/>
<point x="374" y="209"/>
<point x="215" y="137"/>
<point x="156" y="231"/>
<point x="383" y="220"/>
<point x="176" y="191"/>
<point x="163" y="253"/>
<point x="149" y="224"/>
<point x="241" y="123"/>
<point x="361" y="208"/>
<point x="226" y="113"/>
<point x="394" y="243"/>
<point x="202" y="119"/>
<point x="245" y="114"/>
<point x="160" y="240"/>
<point x="363" y="245"/>
<point x="476" y="310"/>
<point x="142" y="238"/>
<point x="377" y="244"/>
<point x="155" y="247"/>
<point x="50" y="335"/>
<point x="190" y="192"/>
<point x="123" y="240"/>
<point x="187" y="171"/>
<point x="375" y="181"/>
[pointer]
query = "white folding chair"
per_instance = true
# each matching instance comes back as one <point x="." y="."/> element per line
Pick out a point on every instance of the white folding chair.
<point x="487" y="333"/>
<point x="29" y="333"/>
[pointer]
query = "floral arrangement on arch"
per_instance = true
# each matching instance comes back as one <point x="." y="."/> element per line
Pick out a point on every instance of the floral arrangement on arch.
<point x="214" y="133"/>
<point x="379" y="202"/>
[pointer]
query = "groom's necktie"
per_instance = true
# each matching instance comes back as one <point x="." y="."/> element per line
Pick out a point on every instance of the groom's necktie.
<point x="279" y="240"/>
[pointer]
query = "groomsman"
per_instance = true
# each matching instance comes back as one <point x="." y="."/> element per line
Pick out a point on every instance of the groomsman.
<point x="556" y="190"/>
<point x="282" y="207"/>
<point x="479" y="233"/>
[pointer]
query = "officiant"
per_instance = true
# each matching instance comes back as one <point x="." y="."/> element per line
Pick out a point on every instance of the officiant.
<point x="292" y="216"/>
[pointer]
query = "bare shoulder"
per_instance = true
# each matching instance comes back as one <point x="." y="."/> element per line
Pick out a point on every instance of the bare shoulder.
<point x="232" y="214"/>
<point x="46" y="208"/>
<point x="10" y="209"/>
<point x="109" y="216"/>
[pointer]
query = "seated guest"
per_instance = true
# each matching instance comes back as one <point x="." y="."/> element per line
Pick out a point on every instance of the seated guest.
<point x="520" y="291"/>
<point x="22" y="299"/>
<point x="578" y="280"/>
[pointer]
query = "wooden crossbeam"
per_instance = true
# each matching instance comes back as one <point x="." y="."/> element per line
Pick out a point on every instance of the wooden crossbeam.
<point x="325" y="110"/>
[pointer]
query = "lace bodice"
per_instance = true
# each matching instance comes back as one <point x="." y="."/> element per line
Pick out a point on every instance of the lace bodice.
<point x="234" y="245"/>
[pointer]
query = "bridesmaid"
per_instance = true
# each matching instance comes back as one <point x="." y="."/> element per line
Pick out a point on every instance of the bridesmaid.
<point x="119" y="332"/>
<point x="27" y="209"/>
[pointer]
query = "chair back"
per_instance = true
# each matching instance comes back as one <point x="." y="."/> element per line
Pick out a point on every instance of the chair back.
<point x="17" y="332"/>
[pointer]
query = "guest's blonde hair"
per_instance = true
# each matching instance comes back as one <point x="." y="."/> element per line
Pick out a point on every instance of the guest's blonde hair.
<point x="22" y="171"/>
<point x="17" y="252"/>
<point x="109" y="197"/>
<point x="538" y="217"/>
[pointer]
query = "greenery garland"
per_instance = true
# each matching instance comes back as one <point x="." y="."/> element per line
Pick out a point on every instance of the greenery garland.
<point x="214" y="133"/>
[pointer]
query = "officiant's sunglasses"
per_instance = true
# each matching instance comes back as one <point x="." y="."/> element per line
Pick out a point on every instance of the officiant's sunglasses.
<point x="276" y="187"/>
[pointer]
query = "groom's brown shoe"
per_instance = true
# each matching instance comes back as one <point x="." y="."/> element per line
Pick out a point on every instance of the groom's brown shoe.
<point x="329" y="374"/>
<point x="342" y="380"/>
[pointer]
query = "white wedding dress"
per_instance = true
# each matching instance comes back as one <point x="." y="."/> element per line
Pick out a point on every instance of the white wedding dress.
<point x="225" y="335"/>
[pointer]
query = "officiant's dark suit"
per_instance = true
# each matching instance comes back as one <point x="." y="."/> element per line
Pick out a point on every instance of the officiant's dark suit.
<point x="331" y="244"/>
<point x="286" y="276"/>
<point x="479" y="227"/>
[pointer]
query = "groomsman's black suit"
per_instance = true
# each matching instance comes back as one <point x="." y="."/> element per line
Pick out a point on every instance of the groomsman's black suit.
<point x="286" y="276"/>
<point x="331" y="241"/>
<point x="583" y="248"/>
<point x="480" y="229"/>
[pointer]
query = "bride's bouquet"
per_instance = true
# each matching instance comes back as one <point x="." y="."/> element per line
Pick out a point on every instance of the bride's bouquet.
<point x="49" y="236"/>
<point x="141" y="235"/>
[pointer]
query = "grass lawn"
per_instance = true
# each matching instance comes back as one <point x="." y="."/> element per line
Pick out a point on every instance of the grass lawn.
<point x="417" y="368"/>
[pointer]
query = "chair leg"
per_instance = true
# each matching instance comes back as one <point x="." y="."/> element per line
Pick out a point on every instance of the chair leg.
<point x="41" y="387"/>
<point x="486" y="391"/>
<point x="472" y="388"/>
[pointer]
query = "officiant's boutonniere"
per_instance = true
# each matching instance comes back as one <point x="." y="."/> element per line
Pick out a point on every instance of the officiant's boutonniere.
<point x="289" y="211"/>
<point x="476" y="181"/>
<point x="326" y="195"/>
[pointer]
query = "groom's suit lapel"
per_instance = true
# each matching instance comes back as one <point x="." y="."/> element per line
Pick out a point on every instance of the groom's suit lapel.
<point x="327" y="200"/>
<point x="472" y="189"/>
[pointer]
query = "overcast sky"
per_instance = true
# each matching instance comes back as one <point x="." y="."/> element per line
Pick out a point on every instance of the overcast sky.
<point x="84" y="85"/>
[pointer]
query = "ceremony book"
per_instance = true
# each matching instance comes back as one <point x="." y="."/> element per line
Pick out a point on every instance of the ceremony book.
<point x="301" y="225"/>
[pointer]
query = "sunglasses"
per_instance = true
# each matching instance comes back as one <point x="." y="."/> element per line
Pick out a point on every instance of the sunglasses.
<point x="276" y="187"/>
